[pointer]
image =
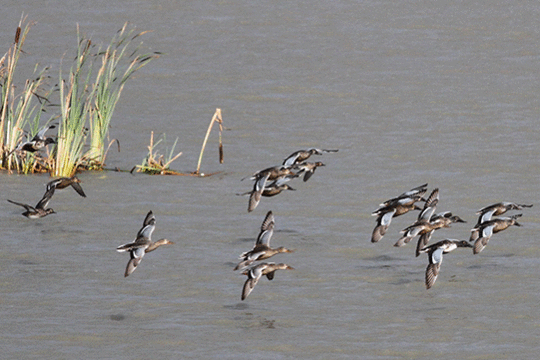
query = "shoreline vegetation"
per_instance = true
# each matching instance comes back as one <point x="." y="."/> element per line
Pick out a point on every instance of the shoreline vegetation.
<point x="86" y="97"/>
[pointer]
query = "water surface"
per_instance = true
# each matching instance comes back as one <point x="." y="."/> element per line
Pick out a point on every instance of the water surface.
<point x="410" y="92"/>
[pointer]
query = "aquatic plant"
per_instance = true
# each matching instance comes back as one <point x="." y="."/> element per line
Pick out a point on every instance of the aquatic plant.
<point x="110" y="82"/>
<point x="155" y="164"/>
<point x="94" y="101"/>
<point x="88" y="96"/>
<point x="75" y="108"/>
<point x="19" y="109"/>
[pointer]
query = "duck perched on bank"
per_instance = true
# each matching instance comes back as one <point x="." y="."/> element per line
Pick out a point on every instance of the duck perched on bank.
<point x="302" y="155"/>
<point x="256" y="272"/>
<point x="40" y="210"/>
<point x="435" y="255"/>
<point x="62" y="183"/>
<point x="395" y="207"/>
<point x="262" y="249"/>
<point x="481" y="234"/>
<point x="142" y="244"/>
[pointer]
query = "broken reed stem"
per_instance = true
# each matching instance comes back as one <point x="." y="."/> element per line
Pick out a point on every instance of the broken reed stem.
<point x="216" y="117"/>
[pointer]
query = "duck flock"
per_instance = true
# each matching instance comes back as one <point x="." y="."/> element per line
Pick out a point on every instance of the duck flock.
<point x="428" y="221"/>
<point x="271" y="182"/>
<point x="268" y="182"/>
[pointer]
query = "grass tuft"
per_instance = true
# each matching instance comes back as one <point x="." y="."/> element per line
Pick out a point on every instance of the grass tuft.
<point x="155" y="164"/>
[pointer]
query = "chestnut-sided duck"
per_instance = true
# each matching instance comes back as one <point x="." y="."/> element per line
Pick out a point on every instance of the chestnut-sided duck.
<point x="142" y="244"/>
<point x="395" y="207"/>
<point x="422" y="224"/>
<point x="435" y="256"/>
<point x="302" y="155"/>
<point x="497" y="209"/>
<point x="254" y="273"/>
<point x="62" y="183"/>
<point x="481" y="234"/>
<point x="307" y="169"/>
<point x="262" y="249"/>
<point x="262" y="187"/>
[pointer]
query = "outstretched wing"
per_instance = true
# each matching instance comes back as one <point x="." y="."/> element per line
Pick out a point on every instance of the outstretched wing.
<point x="77" y="187"/>
<point x="267" y="230"/>
<point x="291" y="159"/>
<point x="41" y="133"/>
<point x="44" y="202"/>
<point x="26" y="206"/>
<point x="432" y="272"/>
<point x="134" y="261"/>
<point x="383" y="222"/>
<point x="258" y="188"/>
<point x="149" y="225"/>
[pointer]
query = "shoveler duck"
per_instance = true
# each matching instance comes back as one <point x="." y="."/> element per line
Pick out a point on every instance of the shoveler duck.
<point x="262" y="188"/>
<point x="262" y="249"/>
<point x="272" y="173"/>
<point x="422" y="224"/>
<point x="38" y="142"/>
<point x="435" y="255"/>
<point x="142" y="244"/>
<point x="256" y="272"/>
<point x="416" y="193"/>
<point x="62" y="183"/>
<point x="275" y="188"/>
<point x="395" y="207"/>
<point x="302" y="155"/>
<point x="497" y="209"/>
<point x="437" y="221"/>
<point x="483" y="233"/>
<point x="40" y="210"/>
<point x="307" y="168"/>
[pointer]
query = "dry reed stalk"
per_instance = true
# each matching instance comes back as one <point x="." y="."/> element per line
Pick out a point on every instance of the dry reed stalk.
<point x="217" y="117"/>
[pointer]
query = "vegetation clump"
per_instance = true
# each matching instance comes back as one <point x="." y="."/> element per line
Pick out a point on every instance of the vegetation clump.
<point x="88" y="95"/>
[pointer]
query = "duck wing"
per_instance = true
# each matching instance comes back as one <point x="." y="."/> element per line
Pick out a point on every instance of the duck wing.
<point x="383" y="223"/>
<point x="267" y="230"/>
<point x="291" y="159"/>
<point x="485" y="234"/>
<point x="149" y="219"/>
<point x="78" y="188"/>
<point x="149" y="225"/>
<point x="432" y="272"/>
<point x="435" y="261"/>
<point x="41" y="133"/>
<point x="258" y="189"/>
<point x="423" y="241"/>
<point x="254" y="274"/>
<point x="26" y="206"/>
<point x="134" y="261"/>
<point x="44" y="202"/>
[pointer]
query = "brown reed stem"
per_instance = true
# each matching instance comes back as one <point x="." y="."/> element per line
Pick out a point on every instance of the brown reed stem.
<point x="216" y="117"/>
